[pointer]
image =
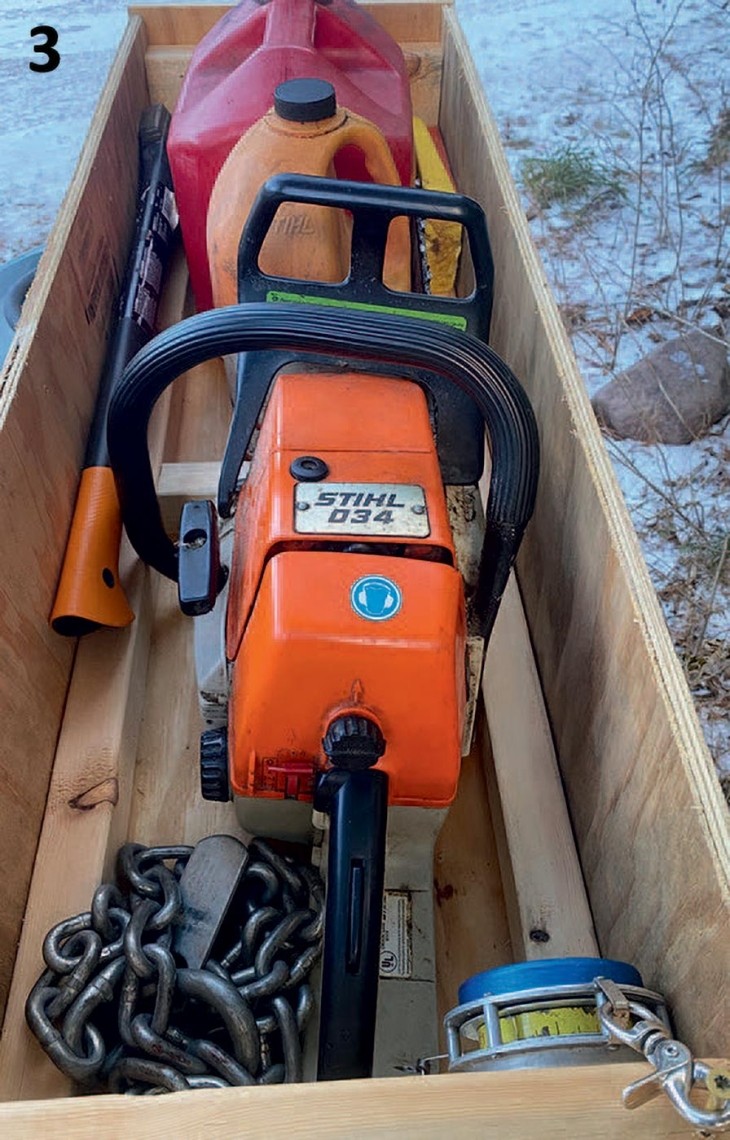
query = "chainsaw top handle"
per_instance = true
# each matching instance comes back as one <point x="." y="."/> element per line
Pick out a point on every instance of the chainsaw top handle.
<point x="373" y="207"/>
<point x="459" y="429"/>
<point x="362" y="338"/>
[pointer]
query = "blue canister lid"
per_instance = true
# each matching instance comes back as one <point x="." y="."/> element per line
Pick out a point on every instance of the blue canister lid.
<point x="544" y="973"/>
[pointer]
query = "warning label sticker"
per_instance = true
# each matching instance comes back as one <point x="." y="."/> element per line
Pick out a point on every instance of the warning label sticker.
<point x="396" y="941"/>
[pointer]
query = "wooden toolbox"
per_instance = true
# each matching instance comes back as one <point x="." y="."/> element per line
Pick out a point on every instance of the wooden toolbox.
<point x="99" y="737"/>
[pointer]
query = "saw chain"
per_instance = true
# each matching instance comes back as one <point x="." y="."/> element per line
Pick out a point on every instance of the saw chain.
<point x="420" y="227"/>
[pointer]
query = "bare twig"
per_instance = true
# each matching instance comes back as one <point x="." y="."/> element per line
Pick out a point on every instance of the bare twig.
<point x="713" y="594"/>
<point x="620" y="457"/>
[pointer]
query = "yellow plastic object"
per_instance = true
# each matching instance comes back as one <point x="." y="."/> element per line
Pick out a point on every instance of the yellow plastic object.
<point x="443" y="239"/>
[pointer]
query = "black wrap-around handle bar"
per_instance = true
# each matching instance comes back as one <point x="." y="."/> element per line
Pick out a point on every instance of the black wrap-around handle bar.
<point x="362" y="339"/>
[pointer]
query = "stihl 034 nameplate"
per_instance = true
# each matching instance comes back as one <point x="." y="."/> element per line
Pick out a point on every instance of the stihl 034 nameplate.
<point x="389" y="509"/>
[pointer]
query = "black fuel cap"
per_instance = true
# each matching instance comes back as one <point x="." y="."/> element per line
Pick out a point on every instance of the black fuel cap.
<point x="305" y="100"/>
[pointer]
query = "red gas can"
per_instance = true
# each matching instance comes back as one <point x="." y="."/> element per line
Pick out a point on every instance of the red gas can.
<point x="230" y="85"/>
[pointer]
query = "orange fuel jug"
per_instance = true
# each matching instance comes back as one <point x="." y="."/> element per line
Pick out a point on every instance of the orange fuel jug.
<point x="301" y="134"/>
<point x="230" y="84"/>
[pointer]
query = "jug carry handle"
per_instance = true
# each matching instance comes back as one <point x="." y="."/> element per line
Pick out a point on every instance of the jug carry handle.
<point x="289" y="22"/>
<point x="373" y="207"/>
<point x="363" y="338"/>
<point x="361" y="133"/>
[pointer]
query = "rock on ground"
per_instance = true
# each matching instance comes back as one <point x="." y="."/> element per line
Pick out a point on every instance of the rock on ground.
<point x="673" y="395"/>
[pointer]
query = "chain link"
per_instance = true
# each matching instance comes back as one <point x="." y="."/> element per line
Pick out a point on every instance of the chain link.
<point x="116" y="1012"/>
<point x="675" y="1069"/>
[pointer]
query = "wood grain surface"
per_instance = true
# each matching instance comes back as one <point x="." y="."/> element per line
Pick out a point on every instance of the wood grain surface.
<point x="536" y="1104"/>
<point x="47" y="393"/>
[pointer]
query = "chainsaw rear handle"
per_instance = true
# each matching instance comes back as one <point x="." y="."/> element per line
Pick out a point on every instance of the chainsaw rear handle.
<point x="362" y="338"/>
<point x="373" y="207"/>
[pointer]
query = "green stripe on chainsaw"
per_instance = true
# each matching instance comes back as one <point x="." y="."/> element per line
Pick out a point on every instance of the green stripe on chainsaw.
<point x="452" y="319"/>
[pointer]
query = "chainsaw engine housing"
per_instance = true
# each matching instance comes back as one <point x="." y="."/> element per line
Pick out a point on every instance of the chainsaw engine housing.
<point x="344" y="598"/>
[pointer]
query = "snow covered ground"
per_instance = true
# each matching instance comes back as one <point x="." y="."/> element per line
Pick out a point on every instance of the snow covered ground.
<point x="639" y="86"/>
<point x="44" y="116"/>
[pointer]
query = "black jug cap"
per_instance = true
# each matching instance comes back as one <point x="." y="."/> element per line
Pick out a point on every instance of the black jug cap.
<point x="305" y="100"/>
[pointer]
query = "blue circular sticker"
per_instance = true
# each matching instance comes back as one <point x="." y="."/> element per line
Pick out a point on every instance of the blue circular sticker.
<point x="375" y="598"/>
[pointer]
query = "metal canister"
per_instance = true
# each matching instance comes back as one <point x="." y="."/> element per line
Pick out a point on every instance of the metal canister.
<point x="541" y="1013"/>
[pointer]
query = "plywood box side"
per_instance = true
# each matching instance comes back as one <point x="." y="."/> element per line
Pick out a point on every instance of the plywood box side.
<point x="46" y="400"/>
<point x="91" y="790"/>
<point x="649" y="817"/>
<point x="678" y="924"/>
<point x="174" y="29"/>
<point x="172" y="25"/>
<point x="168" y="63"/>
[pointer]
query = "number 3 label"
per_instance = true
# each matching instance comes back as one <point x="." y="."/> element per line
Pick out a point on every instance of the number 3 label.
<point x="48" y="48"/>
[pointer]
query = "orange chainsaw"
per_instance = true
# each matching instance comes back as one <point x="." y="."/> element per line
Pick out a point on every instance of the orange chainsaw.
<point x="346" y="617"/>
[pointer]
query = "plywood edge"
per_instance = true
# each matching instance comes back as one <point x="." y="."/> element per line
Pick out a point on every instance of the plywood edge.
<point x="548" y="1104"/>
<point x="712" y="811"/>
<point x="177" y="24"/>
<point x="186" y="24"/>
<point x="410" y="20"/>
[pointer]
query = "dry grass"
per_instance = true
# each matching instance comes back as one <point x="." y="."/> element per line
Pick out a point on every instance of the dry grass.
<point x="718" y="147"/>
<point x="570" y="174"/>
